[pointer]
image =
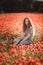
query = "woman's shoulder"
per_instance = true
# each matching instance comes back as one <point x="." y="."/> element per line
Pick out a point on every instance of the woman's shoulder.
<point x="31" y="28"/>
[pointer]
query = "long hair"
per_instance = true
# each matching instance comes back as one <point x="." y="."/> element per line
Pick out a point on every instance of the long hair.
<point x="29" y="24"/>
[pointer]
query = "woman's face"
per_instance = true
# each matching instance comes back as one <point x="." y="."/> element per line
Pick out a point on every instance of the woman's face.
<point x="26" y="22"/>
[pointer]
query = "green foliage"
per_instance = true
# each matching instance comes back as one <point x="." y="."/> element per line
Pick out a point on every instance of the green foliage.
<point x="27" y="54"/>
<point x="36" y="38"/>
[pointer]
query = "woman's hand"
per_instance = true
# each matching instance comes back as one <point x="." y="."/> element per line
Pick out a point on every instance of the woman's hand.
<point x="18" y="39"/>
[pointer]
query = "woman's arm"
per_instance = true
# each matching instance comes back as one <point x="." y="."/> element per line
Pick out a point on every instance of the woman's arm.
<point x="26" y="38"/>
<point x="19" y="39"/>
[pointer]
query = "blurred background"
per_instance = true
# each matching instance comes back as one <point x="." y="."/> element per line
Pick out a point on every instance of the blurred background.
<point x="10" y="6"/>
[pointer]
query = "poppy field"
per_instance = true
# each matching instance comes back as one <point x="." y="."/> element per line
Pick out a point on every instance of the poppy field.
<point x="12" y="54"/>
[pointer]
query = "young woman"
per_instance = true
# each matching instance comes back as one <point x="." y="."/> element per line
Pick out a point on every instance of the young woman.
<point x="28" y="32"/>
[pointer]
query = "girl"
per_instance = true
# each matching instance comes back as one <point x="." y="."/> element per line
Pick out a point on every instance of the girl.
<point x="28" y="32"/>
